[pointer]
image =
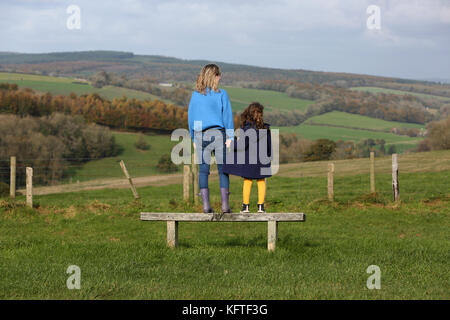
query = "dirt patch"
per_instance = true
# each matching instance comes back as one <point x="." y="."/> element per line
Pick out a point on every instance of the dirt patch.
<point x="97" y="206"/>
<point x="70" y="212"/>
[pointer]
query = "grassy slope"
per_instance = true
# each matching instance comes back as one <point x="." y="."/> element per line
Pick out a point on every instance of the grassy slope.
<point x="325" y="257"/>
<point x="400" y="92"/>
<point x="64" y="86"/>
<point x="272" y="100"/>
<point x="138" y="162"/>
<point x="335" y="133"/>
<point x="338" y="118"/>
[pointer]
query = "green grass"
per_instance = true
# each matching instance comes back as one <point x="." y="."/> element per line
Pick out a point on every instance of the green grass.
<point x="324" y="258"/>
<point x="338" y="118"/>
<point x="65" y="86"/>
<point x="335" y="133"/>
<point x="138" y="162"/>
<point x="240" y="98"/>
<point x="400" y="92"/>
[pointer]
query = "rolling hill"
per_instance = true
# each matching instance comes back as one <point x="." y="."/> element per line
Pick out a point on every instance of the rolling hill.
<point x="354" y="121"/>
<point x="65" y="86"/>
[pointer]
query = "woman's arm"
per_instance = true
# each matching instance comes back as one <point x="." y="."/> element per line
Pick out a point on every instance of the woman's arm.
<point x="190" y="118"/>
<point x="227" y="115"/>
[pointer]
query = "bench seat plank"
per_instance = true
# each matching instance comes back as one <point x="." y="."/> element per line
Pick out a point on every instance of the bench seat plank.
<point x="218" y="217"/>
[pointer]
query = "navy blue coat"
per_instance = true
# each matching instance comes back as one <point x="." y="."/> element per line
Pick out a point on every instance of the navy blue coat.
<point x="251" y="167"/>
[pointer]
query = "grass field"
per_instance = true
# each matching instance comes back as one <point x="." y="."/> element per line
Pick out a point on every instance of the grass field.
<point x="64" y="86"/>
<point x="344" y="119"/>
<point x="138" y="162"/>
<point x="314" y="132"/>
<point x="240" y="98"/>
<point x="400" y="92"/>
<point x="325" y="257"/>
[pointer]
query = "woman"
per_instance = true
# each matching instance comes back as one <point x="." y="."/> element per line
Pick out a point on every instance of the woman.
<point x="210" y="108"/>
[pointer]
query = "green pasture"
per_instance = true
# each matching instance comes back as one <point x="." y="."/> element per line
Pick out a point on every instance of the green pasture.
<point x="349" y="120"/>
<point x="240" y="98"/>
<point x="138" y="162"/>
<point x="400" y="92"/>
<point x="65" y="86"/>
<point x="326" y="257"/>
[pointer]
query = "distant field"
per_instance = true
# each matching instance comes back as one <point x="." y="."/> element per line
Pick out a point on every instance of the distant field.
<point x="272" y="100"/>
<point x="64" y="86"/>
<point x="138" y="162"/>
<point x="337" y="118"/>
<point x="400" y="92"/>
<point x="335" y="133"/>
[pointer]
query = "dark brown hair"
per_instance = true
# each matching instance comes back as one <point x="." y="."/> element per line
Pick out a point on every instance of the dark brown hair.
<point x="253" y="114"/>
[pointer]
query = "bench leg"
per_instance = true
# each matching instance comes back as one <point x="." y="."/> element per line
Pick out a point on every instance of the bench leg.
<point x="172" y="234"/>
<point x="272" y="235"/>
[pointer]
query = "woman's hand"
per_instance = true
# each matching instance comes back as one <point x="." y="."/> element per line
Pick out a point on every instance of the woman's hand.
<point x="228" y="143"/>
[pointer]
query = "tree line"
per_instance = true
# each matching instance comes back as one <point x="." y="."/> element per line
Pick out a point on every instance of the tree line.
<point x="121" y="113"/>
<point x="327" y="98"/>
<point x="50" y="143"/>
<point x="297" y="149"/>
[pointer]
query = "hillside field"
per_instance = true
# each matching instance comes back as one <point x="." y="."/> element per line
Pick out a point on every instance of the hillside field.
<point x="314" y="132"/>
<point x="399" y="92"/>
<point x="240" y="98"/>
<point x="349" y="120"/>
<point x="65" y="86"/>
<point x="138" y="162"/>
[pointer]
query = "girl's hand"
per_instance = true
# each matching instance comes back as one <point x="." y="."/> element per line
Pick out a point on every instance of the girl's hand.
<point x="194" y="146"/>
<point x="228" y="143"/>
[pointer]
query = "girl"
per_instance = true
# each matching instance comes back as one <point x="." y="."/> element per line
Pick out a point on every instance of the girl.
<point x="210" y="108"/>
<point x="252" y="154"/>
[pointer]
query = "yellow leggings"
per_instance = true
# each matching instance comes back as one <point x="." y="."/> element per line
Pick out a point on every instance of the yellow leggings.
<point x="248" y="188"/>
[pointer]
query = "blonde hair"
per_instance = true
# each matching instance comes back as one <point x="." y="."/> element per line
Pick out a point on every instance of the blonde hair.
<point x="208" y="79"/>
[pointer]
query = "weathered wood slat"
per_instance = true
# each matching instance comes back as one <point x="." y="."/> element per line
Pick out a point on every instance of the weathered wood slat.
<point x="172" y="234"/>
<point x="227" y="217"/>
<point x="272" y="235"/>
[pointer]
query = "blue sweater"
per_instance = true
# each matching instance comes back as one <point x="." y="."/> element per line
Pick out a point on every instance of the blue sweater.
<point x="212" y="109"/>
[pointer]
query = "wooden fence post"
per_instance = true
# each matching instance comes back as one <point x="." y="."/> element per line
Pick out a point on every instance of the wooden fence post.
<point x="195" y="186"/>
<point x="330" y="181"/>
<point x="29" y="182"/>
<point x="395" y="184"/>
<point x="125" y="171"/>
<point x="12" y="179"/>
<point x="186" y="182"/>
<point x="372" y="172"/>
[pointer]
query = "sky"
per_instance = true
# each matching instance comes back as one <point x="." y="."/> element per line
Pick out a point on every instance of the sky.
<point x="404" y="38"/>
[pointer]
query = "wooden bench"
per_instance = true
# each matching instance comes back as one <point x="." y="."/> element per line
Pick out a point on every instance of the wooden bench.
<point x="271" y="218"/>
